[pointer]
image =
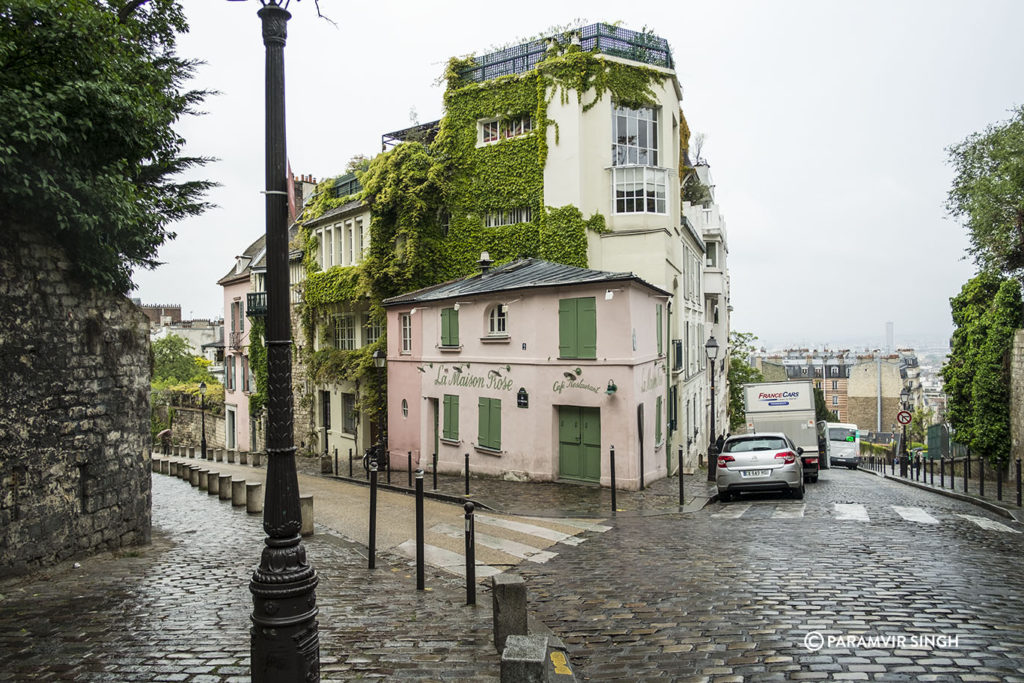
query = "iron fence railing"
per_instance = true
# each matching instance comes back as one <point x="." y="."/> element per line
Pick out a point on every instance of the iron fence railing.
<point x="610" y="40"/>
<point x="256" y="304"/>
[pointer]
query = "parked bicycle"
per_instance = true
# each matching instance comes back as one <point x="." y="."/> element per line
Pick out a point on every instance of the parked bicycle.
<point x="376" y="453"/>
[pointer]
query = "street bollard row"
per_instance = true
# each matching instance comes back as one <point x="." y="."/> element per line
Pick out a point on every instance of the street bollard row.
<point x="239" y="491"/>
<point x="919" y="472"/>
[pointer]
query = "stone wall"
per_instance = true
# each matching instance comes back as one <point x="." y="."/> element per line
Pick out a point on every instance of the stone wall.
<point x="74" y="412"/>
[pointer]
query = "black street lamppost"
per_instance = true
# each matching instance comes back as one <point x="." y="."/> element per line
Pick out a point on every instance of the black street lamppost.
<point x="711" y="348"/>
<point x="904" y="404"/>
<point x="285" y="642"/>
<point x="202" y="412"/>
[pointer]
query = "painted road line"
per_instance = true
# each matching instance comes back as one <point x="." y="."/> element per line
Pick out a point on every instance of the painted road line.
<point x="852" y="511"/>
<point x="444" y="559"/>
<point x="732" y="512"/>
<point x="575" y="523"/>
<point x="914" y="515"/>
<point x="990" y="524"/>
<point x="530" y="529"/>
<point x="507" y="546"/>
<point x="789" y="511"/>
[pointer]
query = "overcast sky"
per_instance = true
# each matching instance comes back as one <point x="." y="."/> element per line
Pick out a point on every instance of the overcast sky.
<point x="826" y="125"/>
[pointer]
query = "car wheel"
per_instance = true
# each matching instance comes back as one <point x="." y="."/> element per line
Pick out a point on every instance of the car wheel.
<point x="798" y="493"/>
<point x="724" y="496"/>
<point x="814" y="479"/>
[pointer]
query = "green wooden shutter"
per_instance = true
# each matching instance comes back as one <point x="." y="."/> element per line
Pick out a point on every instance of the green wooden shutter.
<point x="586" y="316"/>
<point x="658" y="316"/>
<point x="567" y="338"/>
<point x="495" y="426"/>
<point x="483" y="423"/>
<point x="451" y="417"/>
<point x="657" y="420"/>
<point x="453" y="327"/>
<point x="446" y="326"/>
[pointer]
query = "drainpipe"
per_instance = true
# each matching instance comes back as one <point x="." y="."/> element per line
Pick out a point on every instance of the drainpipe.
<point x="668" y="389"/>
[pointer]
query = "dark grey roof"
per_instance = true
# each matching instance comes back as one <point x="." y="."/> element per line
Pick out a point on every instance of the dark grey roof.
<point x="527" y="273"/>
<point x="332" y="213"/>
<point x="252" y="251"/>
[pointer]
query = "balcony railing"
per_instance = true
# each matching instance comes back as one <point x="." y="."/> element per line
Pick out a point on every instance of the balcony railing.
<point x="611" y="40"/>
<point x="256" y="304"/>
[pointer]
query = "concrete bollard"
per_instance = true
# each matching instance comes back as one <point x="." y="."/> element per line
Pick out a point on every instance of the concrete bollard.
<point x="193" y="475"/>
<point x="523" y="659"/>
<point x="306" y="508"/>
<point x="213" y="483"/>
<point x="242" y="460"/>
<point x="172" y="469"/>
<point x="165" y="466"/>
<point x="154" y="464"/>
<point x="230" y="456"/>
<point x="204" y="476"/>
<point x="218" y="455"/>
<point x="238" y="491"/>
<point x="182" y="470"/>
<point x="192" y="451"/>
<point x="225" y="487"/>
<point x="508" y="600"/>
<point x="253" y="496"/>
<point x="257" y="459"/>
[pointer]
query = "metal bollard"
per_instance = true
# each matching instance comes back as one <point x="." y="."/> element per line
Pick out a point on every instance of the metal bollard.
<point x="931" y="471"/>
<point x="350" y="463"/>
<point x="419" y="530"/>
<point x="999" y="482"/>
<point x="389" y="467"/>
<point x="467" y="474"/>
<point x="1018" y="483"/>
<point x="373" y="515"/>
<point x="611" y="455"/>
<point x="470" y="556"/>
<point x="335" y="460"/>
<point x="435" y="471"/>
<point x="967" y="470"/>
<point x="409" y="468"/>
<point x="942" y="472"/>
<point x="981" y="477"/>
<point x="682" y="500"/>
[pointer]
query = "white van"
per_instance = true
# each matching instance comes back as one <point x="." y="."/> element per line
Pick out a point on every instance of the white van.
<point x="842" y="443"/>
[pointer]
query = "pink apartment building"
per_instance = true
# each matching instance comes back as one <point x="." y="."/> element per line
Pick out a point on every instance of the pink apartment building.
<point x="536" y="370"/>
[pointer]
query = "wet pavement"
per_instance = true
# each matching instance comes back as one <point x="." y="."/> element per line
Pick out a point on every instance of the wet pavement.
<point x="716" y="591"/>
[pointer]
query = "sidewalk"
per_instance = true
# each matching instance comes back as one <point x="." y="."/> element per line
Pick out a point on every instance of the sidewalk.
<point x="542" y="499"/>
<point x="954" y="488"/>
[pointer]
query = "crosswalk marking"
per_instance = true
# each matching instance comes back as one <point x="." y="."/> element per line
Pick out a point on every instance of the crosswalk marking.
<point x="990" y="524"/>
<point x="914" y="515"/>
<point x="732" y="512"/>
<point x="509" y="547"/>
<point x="445" y="559"/>
<point x="851" y="511"/>
<point x="575" y="523"/>
<point x="530" y="529"/>
<point x="789" y="511"/>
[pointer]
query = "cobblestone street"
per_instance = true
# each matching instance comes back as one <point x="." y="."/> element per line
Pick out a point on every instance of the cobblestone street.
<point x="731" y="593"/>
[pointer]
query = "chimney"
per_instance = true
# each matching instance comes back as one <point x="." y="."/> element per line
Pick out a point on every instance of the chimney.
<point x="485" y="262"/>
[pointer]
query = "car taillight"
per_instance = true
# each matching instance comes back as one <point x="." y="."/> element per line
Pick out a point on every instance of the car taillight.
<point x="811" y="461"/>
<point x="724" y="460"/>
<point x="788" y="457"/>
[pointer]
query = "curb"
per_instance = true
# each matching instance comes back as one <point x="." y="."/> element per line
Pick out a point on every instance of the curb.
<point x="965" y="497"/>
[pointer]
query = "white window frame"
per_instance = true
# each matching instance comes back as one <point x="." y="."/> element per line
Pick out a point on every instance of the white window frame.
<point x="648" y="187"/>
<point x="520" y="214"/>
<point x="405" y="327"/>
<point x="639" y="144"/>
<point x="344" y="332"/>
<point x="497" y="322"/>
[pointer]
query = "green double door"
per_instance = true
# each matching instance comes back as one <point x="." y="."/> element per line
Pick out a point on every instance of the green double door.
<point x="579" y="443"/>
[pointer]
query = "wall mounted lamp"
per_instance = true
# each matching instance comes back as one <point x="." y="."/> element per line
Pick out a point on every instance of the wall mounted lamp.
<point x="612" y="388"/>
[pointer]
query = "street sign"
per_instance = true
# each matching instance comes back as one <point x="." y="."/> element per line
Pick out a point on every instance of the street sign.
<point x="903" y="417"/>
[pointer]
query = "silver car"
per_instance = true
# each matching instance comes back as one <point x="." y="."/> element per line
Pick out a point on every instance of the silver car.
<point x="759" y="462"/>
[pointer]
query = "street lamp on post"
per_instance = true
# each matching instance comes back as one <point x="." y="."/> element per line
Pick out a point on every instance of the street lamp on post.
<point x="711" y="349"/>
<point x="284" y="639"/>
<point x="202" y="413"/>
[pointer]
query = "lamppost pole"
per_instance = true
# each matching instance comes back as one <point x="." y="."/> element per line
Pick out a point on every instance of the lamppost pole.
<point x="711" y="348"/>
<point x="202" y="412"/>
<point x="285" y="642"/>
<point x="904" y="403"/>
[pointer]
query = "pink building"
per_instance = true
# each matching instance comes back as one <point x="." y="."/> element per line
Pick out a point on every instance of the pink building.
<point x="536" y="370"/>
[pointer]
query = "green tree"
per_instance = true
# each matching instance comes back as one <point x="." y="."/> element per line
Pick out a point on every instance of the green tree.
<point x="988" y="194"/>
<point x="741" y="346"/>
<point x="986" y="314"/>
<point x="821" y="411"/>
<point x="174" y="362"/>
<point x="89" y="93"/>
<point x="917" y="430"/>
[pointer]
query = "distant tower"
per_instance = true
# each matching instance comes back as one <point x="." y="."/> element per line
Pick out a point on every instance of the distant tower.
<point x="889" y="337"/>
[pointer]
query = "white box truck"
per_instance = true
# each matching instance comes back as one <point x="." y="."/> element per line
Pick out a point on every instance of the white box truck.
<point x="786" y="407"/>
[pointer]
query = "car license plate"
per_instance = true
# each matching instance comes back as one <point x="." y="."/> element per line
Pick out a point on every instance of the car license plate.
<point x="751" y="474"/>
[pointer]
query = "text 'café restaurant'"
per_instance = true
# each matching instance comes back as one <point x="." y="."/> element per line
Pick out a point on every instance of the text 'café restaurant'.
<point x="535" y="369"/>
